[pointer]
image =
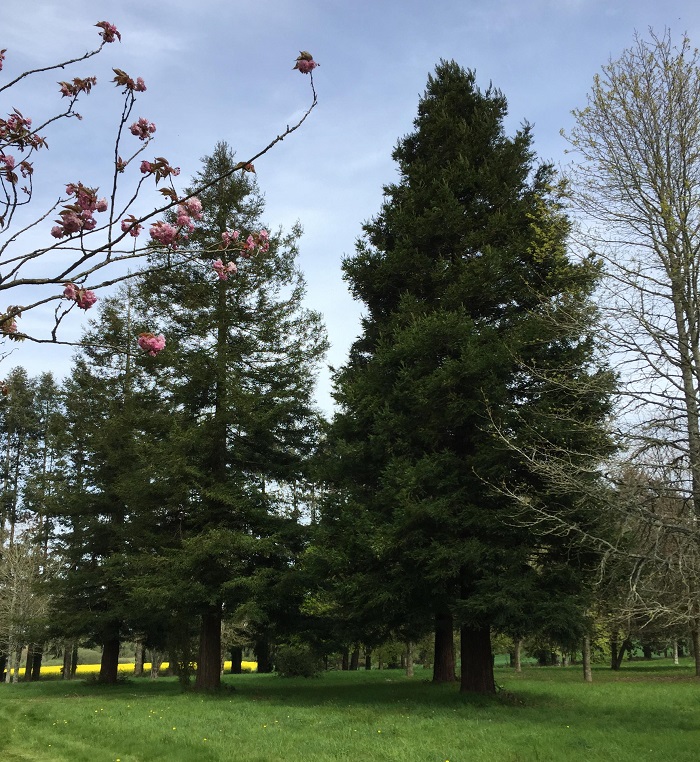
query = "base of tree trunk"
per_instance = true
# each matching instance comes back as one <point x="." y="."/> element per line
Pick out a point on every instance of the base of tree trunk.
<point x="209" y="658"/>
<point x="477" y="661"/>
<point x="236" y="660"/>
<point x="109" y="664"/>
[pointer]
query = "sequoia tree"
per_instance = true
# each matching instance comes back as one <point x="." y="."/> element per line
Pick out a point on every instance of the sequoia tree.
<point x="242" y="353"/>
<point x="477" y="323"/>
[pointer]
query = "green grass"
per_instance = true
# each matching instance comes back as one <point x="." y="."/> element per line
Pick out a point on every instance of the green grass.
<point x="644" y="712"/>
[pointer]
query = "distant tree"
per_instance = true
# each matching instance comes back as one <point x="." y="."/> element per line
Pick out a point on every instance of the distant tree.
<point x="477" y="321"/>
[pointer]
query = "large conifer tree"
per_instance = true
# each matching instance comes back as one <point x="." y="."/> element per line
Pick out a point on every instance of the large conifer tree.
<point x="242" y="356"/>
<point x="476" y="322"/>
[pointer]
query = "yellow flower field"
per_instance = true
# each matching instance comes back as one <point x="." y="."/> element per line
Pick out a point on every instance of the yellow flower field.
<point x="126" y="669"/>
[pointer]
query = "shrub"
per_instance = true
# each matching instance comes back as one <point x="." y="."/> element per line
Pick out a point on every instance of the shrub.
<point x="297" y="660"/>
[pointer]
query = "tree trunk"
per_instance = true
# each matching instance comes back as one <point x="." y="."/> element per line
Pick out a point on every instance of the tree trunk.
<point x="355" y="659"/>
<point x="345" y="662"/>
<point x="209" y="658"/>
<point x="619" y="655"/>
<point x="156" y="660"/>
<point x="696" y="650"/>
<point x="409" y="659"/>
<point x="139" y="658"/>
<point x="444" y="661"/>
<point x="67" y="652"/>
<point x="477" y="661"/>
<point x="675" y="652"/>
<point x="236" y="660"/>
<point x="28" y="663"/>
<point x="3" y="665"/>
<point x="368" y="659"/>
<point x="517" y="654"/>
<point x="262" y="654"/>
<point x="109" y="665"/>
<point x="587" y="672"/>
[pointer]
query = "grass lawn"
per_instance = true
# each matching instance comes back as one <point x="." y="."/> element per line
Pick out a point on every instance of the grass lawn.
<point x="647" y="711"/>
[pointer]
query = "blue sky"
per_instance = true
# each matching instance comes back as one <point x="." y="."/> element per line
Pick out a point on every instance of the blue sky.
<point x="221" y="70"/>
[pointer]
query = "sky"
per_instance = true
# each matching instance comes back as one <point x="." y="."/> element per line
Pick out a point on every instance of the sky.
<point x="222" y="70"/>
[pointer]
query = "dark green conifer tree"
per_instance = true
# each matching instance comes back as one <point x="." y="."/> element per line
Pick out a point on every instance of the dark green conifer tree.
<point x="477" y="340"/>
<point x="242" y="356"/>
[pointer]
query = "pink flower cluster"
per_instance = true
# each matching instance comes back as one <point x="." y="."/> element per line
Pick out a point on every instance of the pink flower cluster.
<point x="131" y="226"/>
<point x="78" y="217"/>
<point x="16" y="130"/>
<point x="151" y="344"/>
<point x="227" y="238"/>
<point x="7" y="167"/>
<point x="2" y="56"/>
<point x="143" y="129"/>
<point x="8" y="325"/>
<point x="164" y="233"/>
<point x="305" y="62"/>
<point x="109" y="31"/>
<point x="83" y="297"/>
<point x="187" y="212"/>
<point x="224" y="270"/>
<point x="259" y="241"/>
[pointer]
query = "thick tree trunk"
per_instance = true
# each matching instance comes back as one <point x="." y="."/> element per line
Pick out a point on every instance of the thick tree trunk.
<point x="696" y="650"/>
<point x="477" y="661"/>
<point x="262" y="654"/>
<point x="345" y="660"/>
<point x="368" y="659"/>
<point x="587" y="672"/>
<point x="109" y="665"/>
<point x="444" y="661"/>
<point x="36" y="662"/>
<point x="236" y="660"/>
<point x="209" y="658"/>
<point x="517" y="654"/>
<point x="3" y="665"/>
<point x="675" y="652"/>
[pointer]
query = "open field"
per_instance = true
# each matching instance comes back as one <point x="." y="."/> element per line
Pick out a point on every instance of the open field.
<point x="647" y="711"/>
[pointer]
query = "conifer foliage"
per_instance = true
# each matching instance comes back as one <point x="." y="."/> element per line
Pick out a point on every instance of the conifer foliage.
<point x="477" y="341"/>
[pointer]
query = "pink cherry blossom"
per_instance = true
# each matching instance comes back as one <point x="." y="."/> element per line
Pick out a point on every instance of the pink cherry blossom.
<point x="151" y="344"/>
<point x="85" y="299"/>
<point x="305" y="62"/>
<point x="164" y="233"/>
<point x="70" y="291"/>
<point x="109" y="31"/>
<point x="227" y="238"/>
<point x="224" y="270"/>
<point x="2" y="56"/>
<point x="131" y="226"/>
<point x="146" y="167"/>
<point x="194" y="207"/>
<point x="142" y="129"/>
